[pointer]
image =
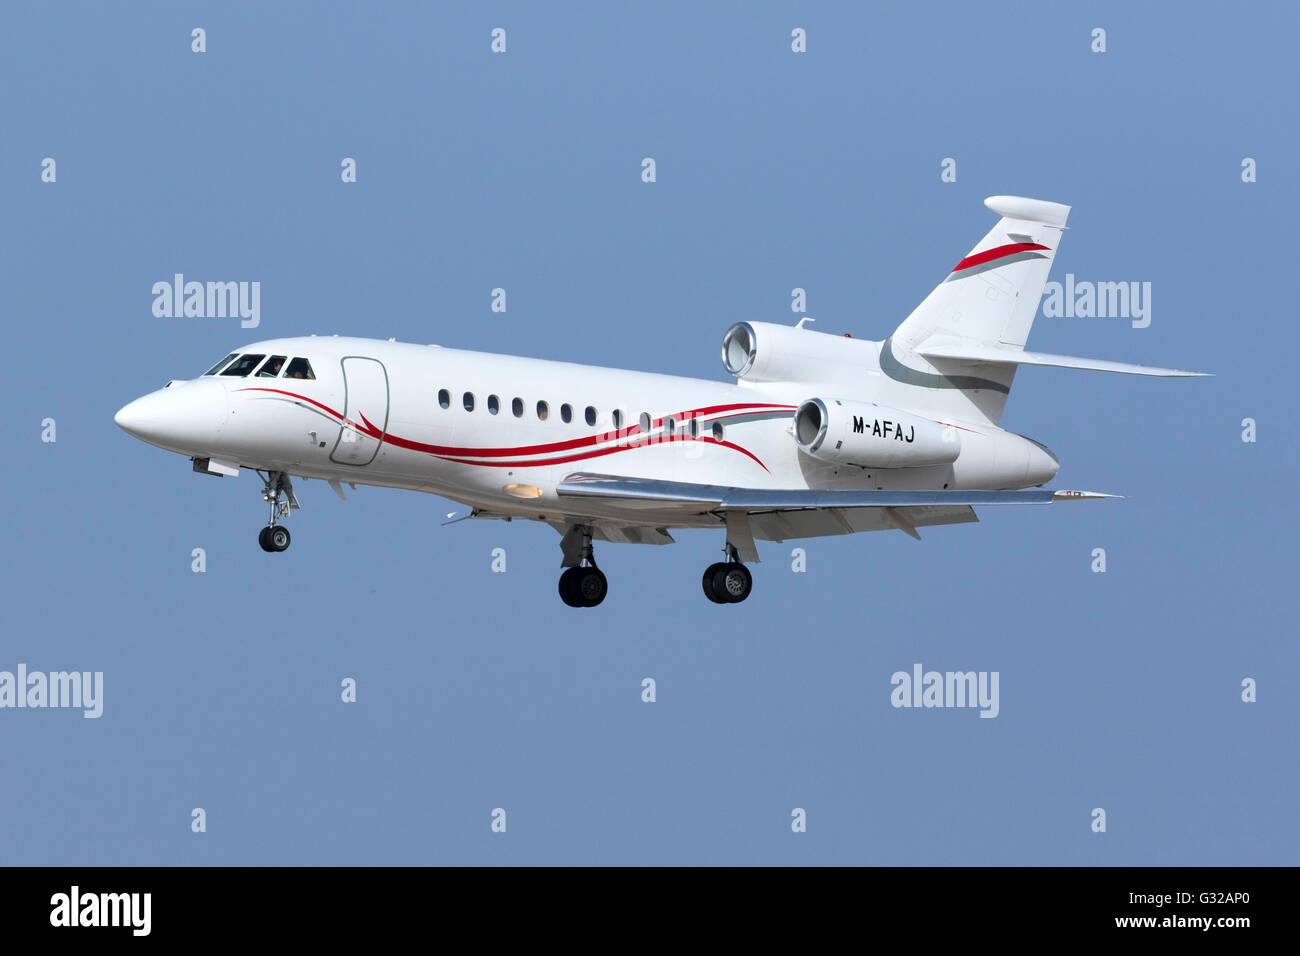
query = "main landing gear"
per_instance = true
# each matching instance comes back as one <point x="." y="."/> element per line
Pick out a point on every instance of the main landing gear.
<point x="278" y="493"/>
<point x="727" y="582"/>
<point x="584" y="584"/>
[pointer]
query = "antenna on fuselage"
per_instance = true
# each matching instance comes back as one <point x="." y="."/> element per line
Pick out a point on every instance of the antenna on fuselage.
<point x="806" y="318"/>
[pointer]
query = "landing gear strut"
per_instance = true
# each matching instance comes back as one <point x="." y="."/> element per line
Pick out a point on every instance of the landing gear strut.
<point x="727" y="582"/>
<point x="584" y="584"/>
<point x="278" y="493"/>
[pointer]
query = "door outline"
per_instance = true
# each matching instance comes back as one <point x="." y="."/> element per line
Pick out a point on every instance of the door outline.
<point x="348" y="411"/>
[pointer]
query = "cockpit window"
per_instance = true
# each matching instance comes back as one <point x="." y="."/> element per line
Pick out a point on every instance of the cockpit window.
<point x="272" y="367"/>
<point x="299" y="368"/>
<point x="244" y="364"/>
<point x="222" y="364"/>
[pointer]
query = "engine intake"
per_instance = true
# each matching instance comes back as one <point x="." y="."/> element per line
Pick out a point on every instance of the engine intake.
<point x="872" y="436"/>
<point x="764" y="352"/>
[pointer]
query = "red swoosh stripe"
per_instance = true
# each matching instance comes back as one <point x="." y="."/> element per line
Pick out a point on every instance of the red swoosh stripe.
<point x="589" y="441"/>
<point x="303" y="398"/>
<point x="998" y="252"/>
<point x="619" y="438"/>
<point x="598" y="453"/>
<point x="454" y="453"/>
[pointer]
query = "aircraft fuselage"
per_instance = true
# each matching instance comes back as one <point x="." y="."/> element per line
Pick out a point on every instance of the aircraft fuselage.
<point x="499" y="432"/>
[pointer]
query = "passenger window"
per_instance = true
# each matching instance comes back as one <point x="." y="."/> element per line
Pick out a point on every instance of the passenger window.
<point x="244" y="364"/>
<point x="694" y="427"/>
<point x="222" y="364"/>
<point x="566" y="413"/>
<point x="644" y="422"/>
<point x="618" y="419"/>
<point x="299" y="368"/>
<point x="444" y="398"/>
<point x="517" y="407"/>
<point x="469" y="401"/>
<point x="591" y="415"/>
<point x="543" y="411"/>
<point x="670" y="427"/>
<point x="494" y="404"/>
<point x="718" y="431"/>
<point x="272" y="367"/>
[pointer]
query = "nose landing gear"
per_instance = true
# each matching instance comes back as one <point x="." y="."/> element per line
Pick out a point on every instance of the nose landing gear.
<point x="278" y="493"/>
<point x="273" y="538"/>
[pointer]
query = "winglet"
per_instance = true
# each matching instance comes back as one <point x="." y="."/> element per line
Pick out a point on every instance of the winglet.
<point x="1029" y="210"/>
<point x="1080" y="495"/>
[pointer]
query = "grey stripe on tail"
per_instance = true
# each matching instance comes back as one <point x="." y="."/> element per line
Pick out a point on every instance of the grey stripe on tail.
<point x="899" y="372"/>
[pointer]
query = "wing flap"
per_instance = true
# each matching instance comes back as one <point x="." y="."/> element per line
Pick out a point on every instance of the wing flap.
<point x="786" y="525"/>
<point x="620" y="533"/>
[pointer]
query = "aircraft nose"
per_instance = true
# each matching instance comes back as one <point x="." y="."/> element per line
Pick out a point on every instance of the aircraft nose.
<point x="184" y="418"/>
<point x="130" y="417"/>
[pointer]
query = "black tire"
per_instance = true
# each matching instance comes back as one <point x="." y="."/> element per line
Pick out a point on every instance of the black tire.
<point x="278" y="538"/>
<point x="590" y="586"/>
<point x="707" y="583"/>
<point x="733" y="582"/>
<point x="568" y="592"/>
<point x="261" y="539"/>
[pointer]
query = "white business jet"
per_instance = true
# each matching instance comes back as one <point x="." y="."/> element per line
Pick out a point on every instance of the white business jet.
<point x="819" y="435"/>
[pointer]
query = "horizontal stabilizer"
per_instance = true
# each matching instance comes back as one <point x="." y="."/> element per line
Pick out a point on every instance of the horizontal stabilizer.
<point x="984" y="353"/>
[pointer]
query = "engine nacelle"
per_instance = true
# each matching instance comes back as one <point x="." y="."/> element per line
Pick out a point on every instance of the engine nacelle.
<point x="765" y="352"/>
<point x="872" y="436"/>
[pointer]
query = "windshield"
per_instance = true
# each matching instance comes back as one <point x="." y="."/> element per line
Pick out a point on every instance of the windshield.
<point x="220" y="365"/>
<point x="244" y="364"/>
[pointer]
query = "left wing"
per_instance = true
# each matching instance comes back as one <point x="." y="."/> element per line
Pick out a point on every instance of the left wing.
<point x="656" y="492"/>
<point x="778" y="514"/>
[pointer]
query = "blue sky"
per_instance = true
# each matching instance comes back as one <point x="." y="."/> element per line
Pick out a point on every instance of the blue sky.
<point x="775" y="170"/>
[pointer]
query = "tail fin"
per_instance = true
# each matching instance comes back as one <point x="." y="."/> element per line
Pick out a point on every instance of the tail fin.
<point x="977" y="319"/>
<point x="991" y="297"/>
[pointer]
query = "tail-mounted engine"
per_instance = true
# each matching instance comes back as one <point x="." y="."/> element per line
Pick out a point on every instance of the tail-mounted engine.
<point x="872" y="436"/>
<point x="764" y="352"/>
